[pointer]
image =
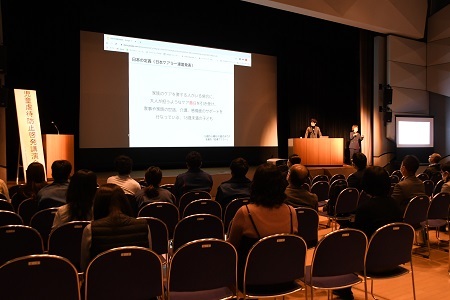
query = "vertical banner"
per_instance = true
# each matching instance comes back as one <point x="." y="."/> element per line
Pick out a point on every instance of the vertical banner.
<point x="29" y="127"/>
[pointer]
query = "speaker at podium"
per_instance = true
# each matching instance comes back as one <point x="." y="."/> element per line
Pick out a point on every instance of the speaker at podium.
<point x="56" y="147"/>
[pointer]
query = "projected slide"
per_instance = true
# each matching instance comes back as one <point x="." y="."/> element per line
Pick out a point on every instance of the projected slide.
<point x="144" y="93"/>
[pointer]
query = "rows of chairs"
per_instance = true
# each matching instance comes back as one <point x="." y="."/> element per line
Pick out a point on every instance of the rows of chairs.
<point x="207" y="268"/>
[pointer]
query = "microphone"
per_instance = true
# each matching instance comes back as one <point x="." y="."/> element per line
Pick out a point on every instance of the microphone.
<point x="55" y="127"/>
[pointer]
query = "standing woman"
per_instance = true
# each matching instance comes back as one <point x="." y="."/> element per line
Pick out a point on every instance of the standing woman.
<point x="79" y="198"/>
<point x="355" y="139"/>
<point x="313" y="131"/>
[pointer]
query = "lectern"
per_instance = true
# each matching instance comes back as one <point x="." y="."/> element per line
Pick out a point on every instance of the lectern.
<point x="58" y="146"/>
<point x="318" y="152"/>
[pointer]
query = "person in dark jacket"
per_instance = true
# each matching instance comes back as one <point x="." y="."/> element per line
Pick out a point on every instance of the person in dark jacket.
<point x="112" y="225"/>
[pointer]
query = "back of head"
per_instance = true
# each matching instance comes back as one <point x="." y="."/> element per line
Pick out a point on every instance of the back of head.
<point x="298" y="175"/>
<point x="435" y="158"/>
<point x="35" y="173"/>
<point x="268" y="186"/>
<point x="61" y="170"/>
<point x="110" y="198"/>
<point x="294" y="159"/>
<point x="123" y="164"/>
<point x="193" y="160"/>
<point x="445" y="167"/>
<point x="376" y="181"/>
<point x="411" y="164"/>
<point x="82" y="187"/>
<point x="239" y="167"/>
<point x="359" y="160"/>
<point x="153" y="176"/>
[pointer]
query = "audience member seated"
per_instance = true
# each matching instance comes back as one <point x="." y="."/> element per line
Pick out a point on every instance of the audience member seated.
<point x="124" y="166"/>
<point x="376" y="212"/>
<point x="293" y="159"/>
<point x="410" y="186"/>
<point x="267" y="213"/>
<point x="4" y="189"/>
<point x="112" y="225"/>
<point x="56" y="190"/>
<point x="236" y="187"/>
<point x="80" y="195"/>
<point x="195" y="179"/>
<point x="35" y="175"/>
<point x="433" y="170"/>
<point x="445" y="169"/>
<point x="359" y="161"/>
<point x="296" y="193"/>
<point x="153" y="192"/>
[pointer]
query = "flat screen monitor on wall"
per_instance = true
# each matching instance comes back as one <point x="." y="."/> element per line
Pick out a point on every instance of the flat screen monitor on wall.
<point x="137" y="93"/>
<point x="414" y="131"/>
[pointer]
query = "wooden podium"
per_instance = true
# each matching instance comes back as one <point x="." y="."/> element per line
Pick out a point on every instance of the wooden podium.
<point x="58" y="146"/>
<point x="318" y="152"/>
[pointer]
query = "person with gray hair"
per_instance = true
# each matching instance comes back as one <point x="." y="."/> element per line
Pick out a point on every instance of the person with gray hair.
<point x="296" y="192"/>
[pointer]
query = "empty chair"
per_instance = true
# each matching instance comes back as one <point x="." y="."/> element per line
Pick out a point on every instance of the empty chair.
<point x="337" y="176"/>
<point x="188" y="197"/>
<point x="338" y="181"/>
<point x="308" y="225"/>
<point x="65" y="241"/>
<point x="231" y="209"/>
<point x="43" y="221"/>
<point x="320" y="177"/>
<point x="321" y="189"/>
<point x="437" y="216"/>
<point x="274" y="266"/>
<point x="336" y="261"/>
<point x="26" y="209"/>
<point x="165" y="211"/>
<point x="124" y="273"/>
<point x="416" y="212"/>
<point x="429" y="187"/>
<point x="40" y="276"/>
<point x="388" y="251"/>
<point x="203" y="206"/>
<point x="203" y="269"/>
<point x="10" y="218"/>
<point x="48" y="203"/>
<point x="345" y="207"/>
<point x="422" y="176"/>
<point x="19" y="240"/>
<point x="196" y="227"/>
<point x="160" y="235"/>
<point x="5" y="205"/>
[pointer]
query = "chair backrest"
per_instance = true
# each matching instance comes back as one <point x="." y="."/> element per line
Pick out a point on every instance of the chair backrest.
<point x="339" y="252"/>
<point x="10" y="218"/>
<point x="27" y="208"/>
<point x="165" y="211"/>
<point x="308" y="225"/>
<point x="195" y="227"/>
<point x="439" y="206"/>
<point x="275" y="259"/>
<point x="438" y="187"/>
<point x="168" y="186"/>
<point x="65" y="241"/>
<point x="16" y="199"/>
<point x="19" y="240"/>
<point x="337" y="176"/>
<point x="12" y="190"/>
<point x="134" y="204"/>
<point x="41" y="276"/>
<point x="205" y="264"/>
<point x="124" y="273"/>
<point x="48" y="203"/>
<point x="43" y="222"/>
<point x="3" y="196"/>
<point x="416" y="211"/>
<point x="203" y="206"/>
<point x="5" y="205"/>
<point x="397" y="173"/>
<point x="320" y="177"/>
<point x="231" y="209"/>
<point x="160" y="235"/>
<point x="423" y="176"/>
<point x="321" y="189"/>
<point x="347" y="201"/>
<point x="363" y="197"/>
<point x="394" y="178"/>
<point x="429" y="187"/>
<point x="338" y="182"/>
<point x="188" y="197"/>
<point x="390" y="246"/>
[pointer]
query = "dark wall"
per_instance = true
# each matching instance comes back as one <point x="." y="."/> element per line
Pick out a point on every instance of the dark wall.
<point x="318" y="64"/>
